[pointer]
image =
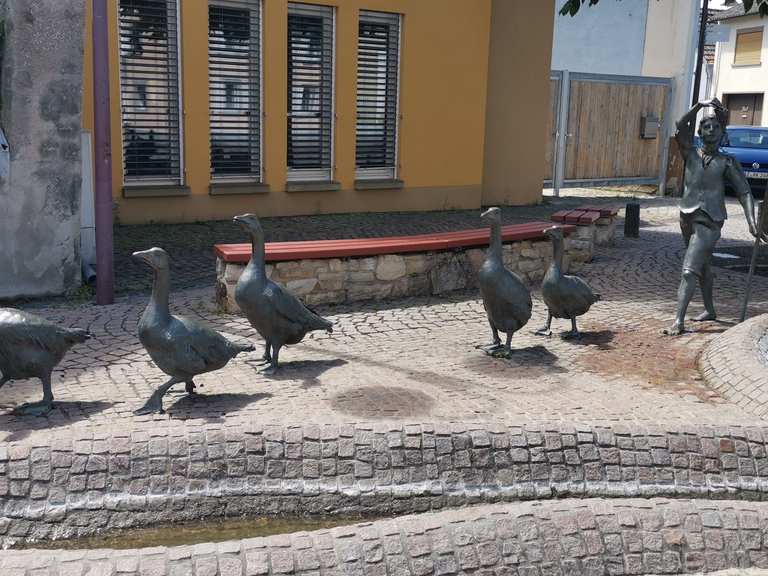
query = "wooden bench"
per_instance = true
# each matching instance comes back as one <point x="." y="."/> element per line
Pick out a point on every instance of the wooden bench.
<point x="596" y="223"/>
<point x="359" y="247"/>
<point x="336" y="271"/>
<point x="584" y="215"/>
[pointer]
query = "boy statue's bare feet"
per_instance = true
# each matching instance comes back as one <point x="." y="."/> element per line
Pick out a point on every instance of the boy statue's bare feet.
<point x="675" y="330"/>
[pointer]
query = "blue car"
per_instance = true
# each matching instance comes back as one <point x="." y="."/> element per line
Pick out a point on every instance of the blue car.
<point x="749" y="144"/>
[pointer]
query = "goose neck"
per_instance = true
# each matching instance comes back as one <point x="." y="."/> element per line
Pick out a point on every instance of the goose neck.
<point x="495" y="242"/>
<point x="160" y="292"/>
<point x="557" y="251"/>
<point x="257" y="252"/>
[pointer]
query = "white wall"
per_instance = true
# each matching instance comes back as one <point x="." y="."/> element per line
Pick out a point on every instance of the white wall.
<point x="604" y="39"/>
<point x="730" y="79"/>
<point x="670" y="44"/>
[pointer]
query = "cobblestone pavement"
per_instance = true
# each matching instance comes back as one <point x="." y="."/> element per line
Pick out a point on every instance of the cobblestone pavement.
<point x="191" y="245"/>
<point x="735" y="364"/>
<point x="592" y="536"/>
<point x="415" y="360"/>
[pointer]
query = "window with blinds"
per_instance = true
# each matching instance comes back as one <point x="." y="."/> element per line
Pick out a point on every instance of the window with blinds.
<point x="310" y="91"/>
<point x="378" y="59"/>
<point x="149" y="91"/>
<point x="234" y="89"/>
<point x="749" y="44"/>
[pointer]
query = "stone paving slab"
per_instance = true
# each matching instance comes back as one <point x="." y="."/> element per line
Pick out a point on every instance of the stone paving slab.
<point x="574" y="537"/>
<point x="414" y="361"/>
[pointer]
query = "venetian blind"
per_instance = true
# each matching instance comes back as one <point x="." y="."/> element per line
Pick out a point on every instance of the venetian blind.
<point x="149" y="90"/>
<point x="234" y="89"/>
<point x="378" y="56"/>
<point x="310" y="91"/>
<point x="749" y="44"/>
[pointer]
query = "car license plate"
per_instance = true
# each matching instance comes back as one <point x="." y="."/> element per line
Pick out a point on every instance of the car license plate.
<point x="760" y="175"/>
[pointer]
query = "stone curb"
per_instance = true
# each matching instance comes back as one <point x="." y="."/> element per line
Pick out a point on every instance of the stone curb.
<point x="564" y="537"/>
<point x="731" y="365"/>
<point x="77" y="488"/>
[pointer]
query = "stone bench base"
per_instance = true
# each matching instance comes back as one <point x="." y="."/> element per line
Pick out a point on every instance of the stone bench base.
<point x="339" y="280"/>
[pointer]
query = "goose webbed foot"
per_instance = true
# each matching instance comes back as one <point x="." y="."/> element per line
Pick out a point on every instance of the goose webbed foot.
<point x="506" y="350"/>
<point x="502" y="352"/>
<point x="545" y="330"/>
<point x="152" y="406"/>
<point x="266" y="358"/>
<point x="705" y="317"/>
<point x="40" y="408"/>
<point x="191" y="388"/>
<point x="270" y="370"/>
<point x="155" y="403"/>
<point x="574" y="332"/>
<point x="492" y="347"/>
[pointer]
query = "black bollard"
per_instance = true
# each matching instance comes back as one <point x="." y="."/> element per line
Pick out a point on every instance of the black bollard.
<point x="632" y="220"/>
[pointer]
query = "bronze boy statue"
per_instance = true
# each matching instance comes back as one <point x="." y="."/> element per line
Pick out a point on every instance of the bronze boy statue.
<point x="702" y="207"/>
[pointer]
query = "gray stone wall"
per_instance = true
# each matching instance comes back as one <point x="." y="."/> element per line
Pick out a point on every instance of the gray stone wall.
<point x="81" y="486"/>
<point x="41" y="89"/>
<point x="570" y="537"/>
<point x="354" y="279"/>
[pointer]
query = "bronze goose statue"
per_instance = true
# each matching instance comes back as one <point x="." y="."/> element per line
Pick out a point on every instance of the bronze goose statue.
<point x="276" y="314"/>
<point x="506" y="298"/>
<point x="565" y="296"/>
<point x="31" y="347"/>
<point x="181" y="347"/>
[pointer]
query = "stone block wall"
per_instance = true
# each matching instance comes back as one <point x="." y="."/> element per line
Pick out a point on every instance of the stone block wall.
<point x="574" y="537"/>
<point x="78" y="487"/>
<point x="42" y="74"/>
<point x="338" y="280"/>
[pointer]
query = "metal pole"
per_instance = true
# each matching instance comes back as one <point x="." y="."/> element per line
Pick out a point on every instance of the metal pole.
<point x="102" y="156"/>
<point x="700" y="51"/>
<point x="562" y="132"/>
<point x="761" y="213"/>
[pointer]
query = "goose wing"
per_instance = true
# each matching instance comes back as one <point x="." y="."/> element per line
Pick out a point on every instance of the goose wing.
<point x="19" y="328"/>
<point x="205" y="348"/>
<point x="580" y="295"/>
<point x="292" y="309"/>
<point x="508" y="302"/>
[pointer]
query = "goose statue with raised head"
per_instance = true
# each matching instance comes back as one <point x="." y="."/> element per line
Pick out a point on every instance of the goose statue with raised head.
<point x="565" y="296"/>
<point x="31" y="347"/>
<point x="181" y="347"/>
<point x="506" y="298"/>
<point x="276" y="314"/>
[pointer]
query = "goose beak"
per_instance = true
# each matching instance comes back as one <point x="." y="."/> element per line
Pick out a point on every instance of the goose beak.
<point x="143" y="256"/>
<point x="485" y="214"/>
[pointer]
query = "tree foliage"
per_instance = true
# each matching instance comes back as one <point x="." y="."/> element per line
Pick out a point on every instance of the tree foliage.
<point x="571" y="7"/>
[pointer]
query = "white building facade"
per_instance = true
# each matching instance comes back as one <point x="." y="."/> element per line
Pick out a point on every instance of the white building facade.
<point x="741" y="66"/>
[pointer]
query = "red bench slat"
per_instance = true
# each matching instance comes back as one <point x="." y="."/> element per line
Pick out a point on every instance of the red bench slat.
<point x="589" y="217"/>
<point x="319" y="249"/>
<point x="560" y="216"/>
<point x="603" y="210"/>
<point x="574" y="216"/>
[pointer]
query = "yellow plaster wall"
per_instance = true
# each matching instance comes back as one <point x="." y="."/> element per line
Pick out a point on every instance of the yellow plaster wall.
<point x="443" y="92"/>
<point x="518" y="101"/>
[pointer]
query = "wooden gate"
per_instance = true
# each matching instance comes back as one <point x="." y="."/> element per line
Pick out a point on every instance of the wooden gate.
<point x="614" y="129"/>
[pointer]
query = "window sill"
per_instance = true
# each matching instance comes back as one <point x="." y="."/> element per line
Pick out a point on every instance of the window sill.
<point x="313" y="186"/>
<point x="747" y="65"/>
<point x="155" y="191"/>
<point x="387" y="184"/>
<point x="230" y="188"/>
